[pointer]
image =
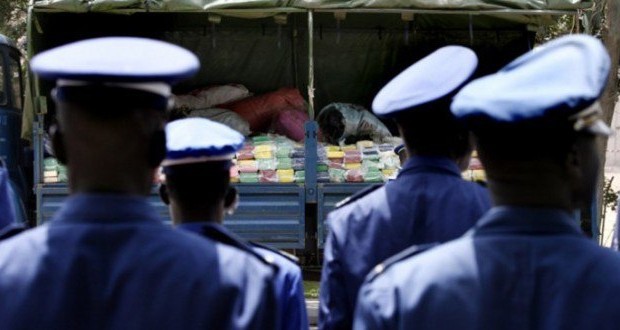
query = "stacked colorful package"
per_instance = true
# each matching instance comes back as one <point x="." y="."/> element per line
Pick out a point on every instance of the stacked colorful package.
<point x="475" y="171"/>
<point x="274" y="158"/>
<point x="269" y="159"/>
<point x="53" y="171"/>
<point x="362" y="162"/>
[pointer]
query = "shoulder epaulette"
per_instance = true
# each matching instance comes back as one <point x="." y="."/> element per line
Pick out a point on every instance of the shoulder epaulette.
<point x="406" y="253"/>
<point x="223" y="237"/>
<point x="358" y="195"/>
<point x="284" y="254"/>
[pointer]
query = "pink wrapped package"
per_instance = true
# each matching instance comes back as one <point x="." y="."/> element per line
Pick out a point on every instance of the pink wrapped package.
<point x="336" y="163"/>
<point x="245" y="155"/>
<point x="248" y="166"/>
<point x="352" y="156"/>
<point x="354" y="176"/>
<point x="267" y="176"/>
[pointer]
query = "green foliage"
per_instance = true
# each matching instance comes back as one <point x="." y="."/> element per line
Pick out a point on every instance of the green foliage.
<point x="13" y="16"/>
<point x="588" y="21"/>
<point x="610" y="197"/>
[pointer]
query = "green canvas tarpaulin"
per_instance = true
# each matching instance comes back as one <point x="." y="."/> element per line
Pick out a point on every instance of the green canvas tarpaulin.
<point x="198" y="5"/>
<point x="355" y="52"/>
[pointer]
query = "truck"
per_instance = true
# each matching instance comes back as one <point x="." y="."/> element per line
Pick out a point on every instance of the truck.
<point x="13" y="150"/>
<point x="333" y="51"/>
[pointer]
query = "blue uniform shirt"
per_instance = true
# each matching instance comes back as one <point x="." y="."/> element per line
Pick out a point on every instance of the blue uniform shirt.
<point x="519" y="269"/>
<point x="109" y="262"/>
<point x="288" y="282"/>
<point x="428" y="202"/>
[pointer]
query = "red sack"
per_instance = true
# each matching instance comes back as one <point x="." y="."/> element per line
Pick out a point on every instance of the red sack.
<point x="290" y="123"/>
<point x="260" y="110"/>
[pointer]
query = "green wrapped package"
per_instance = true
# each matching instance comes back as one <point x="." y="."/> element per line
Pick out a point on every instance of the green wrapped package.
<point x="373" y="176"/>
<point x="371" y="165"/>
<point x="371" y="156"/>
<point x="248" y="177"/>
<point x="50" y="164"/>
<point x="300" y="176"/>
<point x="337" y="175"/>
<point x="322" y="167"/>
<point x="285" y="163"/>
<point x="284" y="151"/>
<point x="269" y="164"/>
<point x="261" y="139"/>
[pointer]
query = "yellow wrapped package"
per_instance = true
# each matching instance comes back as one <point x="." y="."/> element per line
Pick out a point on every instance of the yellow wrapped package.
<point x="349" y="147"/>
<point x="353" y="166"/>
<point x="388" y="172"/>
<point x="335" y="154"/>
<point x="286" y="176"/>
<point x="263" y="155"/>
<point x="247" y="166"/>
<point x="364" y="144"/>
<point x="332" y="148"/>
<point x="479" y="175"/>
<point x="263" y="148"/>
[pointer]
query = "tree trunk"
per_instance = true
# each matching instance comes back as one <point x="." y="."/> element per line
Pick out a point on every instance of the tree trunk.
<point x="610" y="34"/>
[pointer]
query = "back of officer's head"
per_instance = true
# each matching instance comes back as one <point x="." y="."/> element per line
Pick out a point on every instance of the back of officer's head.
<point x="419" y="100"/>
<point x="536" y="123"/>
<point x="197" y="166"/>
<point x="111" y="94"/>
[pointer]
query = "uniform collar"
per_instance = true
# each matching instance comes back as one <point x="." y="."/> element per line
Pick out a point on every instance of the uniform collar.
<point x="430" y="164"/>
<point x="527" y="221"/>
<point x="107" y="208"/>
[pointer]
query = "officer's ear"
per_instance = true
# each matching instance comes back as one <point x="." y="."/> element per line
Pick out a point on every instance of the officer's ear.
<point x="58" y="144"/>
<point x="157" y="148"/>
<point x="231" y="200"/>
<point x="231" y="197"/>
<point x="163" y="194"/>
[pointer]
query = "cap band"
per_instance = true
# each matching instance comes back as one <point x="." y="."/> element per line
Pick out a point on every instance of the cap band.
<point x="191" y="160"/>
<point x="107" y="96"/>
<point x="159" y="88"/>
<point x="172" y="167"/>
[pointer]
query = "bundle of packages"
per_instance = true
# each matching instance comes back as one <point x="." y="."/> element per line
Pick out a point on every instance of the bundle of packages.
<point x="53" y="171"/>
<point x="475" y="171"/>
<point x="234" y="173"/>
<point x="268" y="158"/>
<point x="344" y="122"/>
<point x="363" y="161"/>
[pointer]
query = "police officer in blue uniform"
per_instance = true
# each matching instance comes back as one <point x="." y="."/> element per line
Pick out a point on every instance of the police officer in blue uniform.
<point x="197" y="189"/>
<point x="526" y="264"/>
<point x="106" y="260"/>
<point x="428" y="202"/>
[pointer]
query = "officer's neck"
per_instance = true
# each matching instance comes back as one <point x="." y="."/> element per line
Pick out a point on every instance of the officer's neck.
<point x="530" y="187"/>
<point x="182" y="215"/>
<point x="84" y="180"/>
